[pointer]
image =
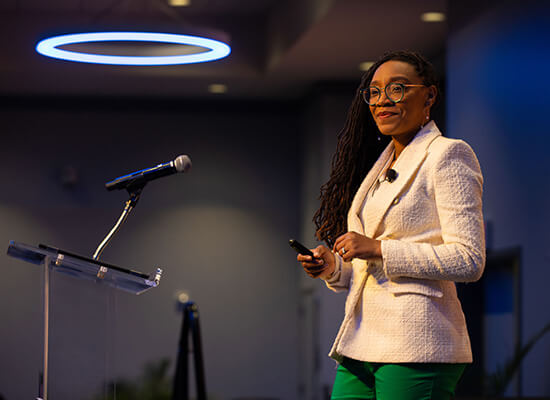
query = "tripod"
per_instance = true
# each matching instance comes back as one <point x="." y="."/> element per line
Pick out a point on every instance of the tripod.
<point x="190" y="325"/>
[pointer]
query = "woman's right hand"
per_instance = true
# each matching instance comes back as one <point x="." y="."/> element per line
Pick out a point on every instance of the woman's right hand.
<point x="322" y="265"/>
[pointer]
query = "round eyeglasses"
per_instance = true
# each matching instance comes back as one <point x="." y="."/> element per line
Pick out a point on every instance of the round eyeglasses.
<point x="395" y="92"/>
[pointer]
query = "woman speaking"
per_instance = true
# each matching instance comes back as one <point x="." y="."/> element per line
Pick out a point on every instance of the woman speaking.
<point x="402" y="215"/>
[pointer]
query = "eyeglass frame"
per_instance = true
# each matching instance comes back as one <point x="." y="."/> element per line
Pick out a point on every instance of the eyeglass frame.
<point x="402" y="85"/>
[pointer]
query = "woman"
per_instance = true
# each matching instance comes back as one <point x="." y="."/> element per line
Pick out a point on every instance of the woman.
<point x="414" y="227"/>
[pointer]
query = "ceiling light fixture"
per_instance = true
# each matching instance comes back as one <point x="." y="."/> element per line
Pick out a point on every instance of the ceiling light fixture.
<point x="179" y="3"/>
<point x="49" y="47"/>
<point x="364" y="66"/>
<point x="217" y="88"/>
<point x="432" y="17"/>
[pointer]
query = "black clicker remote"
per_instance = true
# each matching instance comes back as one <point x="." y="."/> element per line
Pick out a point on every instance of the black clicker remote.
<point x="300" y="248"/>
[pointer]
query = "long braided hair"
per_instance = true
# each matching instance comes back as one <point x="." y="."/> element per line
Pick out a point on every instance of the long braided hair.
<point x="359" y="146"/>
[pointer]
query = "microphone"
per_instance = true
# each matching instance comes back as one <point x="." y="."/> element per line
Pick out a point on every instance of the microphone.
<point x="391" y="175"/>
<point x="140" y="178"/>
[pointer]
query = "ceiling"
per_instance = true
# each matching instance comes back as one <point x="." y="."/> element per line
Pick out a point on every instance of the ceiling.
<point x="279" y="47"/>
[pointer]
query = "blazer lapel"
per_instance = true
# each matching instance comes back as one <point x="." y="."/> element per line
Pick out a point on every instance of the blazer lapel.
<point x="406" y="166"/>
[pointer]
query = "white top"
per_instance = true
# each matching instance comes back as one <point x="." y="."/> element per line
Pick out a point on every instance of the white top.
<point x="379" y="185"/>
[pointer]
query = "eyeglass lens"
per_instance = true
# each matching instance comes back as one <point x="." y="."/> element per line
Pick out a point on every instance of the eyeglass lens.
<point x="394" y="92"/>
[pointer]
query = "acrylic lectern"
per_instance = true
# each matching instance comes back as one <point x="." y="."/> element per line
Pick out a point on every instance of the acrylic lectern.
<point x="79" y="319"/>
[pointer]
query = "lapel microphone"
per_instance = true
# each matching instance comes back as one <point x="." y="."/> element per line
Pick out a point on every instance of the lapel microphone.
<point x="391" y="175"/>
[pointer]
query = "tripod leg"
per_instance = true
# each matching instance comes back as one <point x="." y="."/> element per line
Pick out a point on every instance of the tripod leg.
<point x="181" y="384"/>
<point x="197" y="353"/>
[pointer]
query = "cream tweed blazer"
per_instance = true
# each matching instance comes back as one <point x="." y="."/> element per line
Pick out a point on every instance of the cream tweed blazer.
<point x="404" y="308"/>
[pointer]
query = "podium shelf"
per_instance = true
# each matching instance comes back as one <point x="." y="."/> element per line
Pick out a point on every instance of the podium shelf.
<point x="82" y="267"/>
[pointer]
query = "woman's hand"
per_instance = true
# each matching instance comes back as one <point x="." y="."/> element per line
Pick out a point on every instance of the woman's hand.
<point x="322" y="265"/>
<point x="353" y="245"/>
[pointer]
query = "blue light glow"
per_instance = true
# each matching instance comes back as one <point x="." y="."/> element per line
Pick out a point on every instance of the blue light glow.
<point x="217" y="49"/>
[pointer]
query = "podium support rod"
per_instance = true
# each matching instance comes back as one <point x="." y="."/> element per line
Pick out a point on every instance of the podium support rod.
<point x="47" y="263"/>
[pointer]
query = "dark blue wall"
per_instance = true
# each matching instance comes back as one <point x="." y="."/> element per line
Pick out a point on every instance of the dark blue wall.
<point x="498" y="90"/>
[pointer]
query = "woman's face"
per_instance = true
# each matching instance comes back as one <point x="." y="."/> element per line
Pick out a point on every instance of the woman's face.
<point x="405" y="117"/>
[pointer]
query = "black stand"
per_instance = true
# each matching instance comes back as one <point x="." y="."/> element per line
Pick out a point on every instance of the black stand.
<point x="190" y="324"/>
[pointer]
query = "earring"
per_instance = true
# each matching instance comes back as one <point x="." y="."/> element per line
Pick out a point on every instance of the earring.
<point x="424" y="123"/>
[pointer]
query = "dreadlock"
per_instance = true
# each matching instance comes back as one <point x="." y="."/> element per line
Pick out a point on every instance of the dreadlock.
<point x="359" y="146"/>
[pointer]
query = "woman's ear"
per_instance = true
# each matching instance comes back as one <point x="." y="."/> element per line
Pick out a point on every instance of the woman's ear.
<point x="432" y="93"/>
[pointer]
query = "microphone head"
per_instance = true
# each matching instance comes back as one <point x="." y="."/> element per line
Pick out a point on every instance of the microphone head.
<point x="183" y="163"/>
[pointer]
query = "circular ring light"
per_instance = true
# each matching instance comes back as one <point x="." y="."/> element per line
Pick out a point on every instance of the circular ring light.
<point x="217" y="49"/>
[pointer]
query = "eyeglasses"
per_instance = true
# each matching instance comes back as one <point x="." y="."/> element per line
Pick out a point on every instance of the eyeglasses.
<point x="394" y="92"/>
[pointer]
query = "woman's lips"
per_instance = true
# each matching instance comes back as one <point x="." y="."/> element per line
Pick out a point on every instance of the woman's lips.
<point x="385" y="114"/>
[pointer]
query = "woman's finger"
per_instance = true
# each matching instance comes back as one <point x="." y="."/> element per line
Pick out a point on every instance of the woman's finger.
<point x="337" y="243"/>
<point x="314" y="268"/>
<point x="341" y="242"/>
<point x="322" y="261"/>
<point x="343" y="247"/>
<point x="304" y="258"/>
<point x="348" y="256"/>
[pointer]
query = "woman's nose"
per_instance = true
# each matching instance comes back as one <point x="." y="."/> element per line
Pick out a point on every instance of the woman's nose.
<point x="383" y="99"/>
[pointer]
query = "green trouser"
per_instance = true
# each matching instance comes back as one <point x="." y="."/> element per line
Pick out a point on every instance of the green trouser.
<point x="403" y="381"/>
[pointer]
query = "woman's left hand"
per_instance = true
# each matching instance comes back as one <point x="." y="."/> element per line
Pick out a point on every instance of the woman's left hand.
<point x="353" y="245"/>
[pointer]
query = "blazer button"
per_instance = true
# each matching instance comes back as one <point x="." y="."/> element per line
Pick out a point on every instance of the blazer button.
<point x="395" y="201"/>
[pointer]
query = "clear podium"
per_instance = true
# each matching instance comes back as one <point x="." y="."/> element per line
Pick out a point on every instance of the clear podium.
<point x="78" y="319"/>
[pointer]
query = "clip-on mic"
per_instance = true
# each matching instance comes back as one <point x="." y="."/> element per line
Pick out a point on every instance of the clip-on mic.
<point x="391" y="175"/>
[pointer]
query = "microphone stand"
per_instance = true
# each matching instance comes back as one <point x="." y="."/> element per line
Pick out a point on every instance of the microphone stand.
<point x="135" y="193"/>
